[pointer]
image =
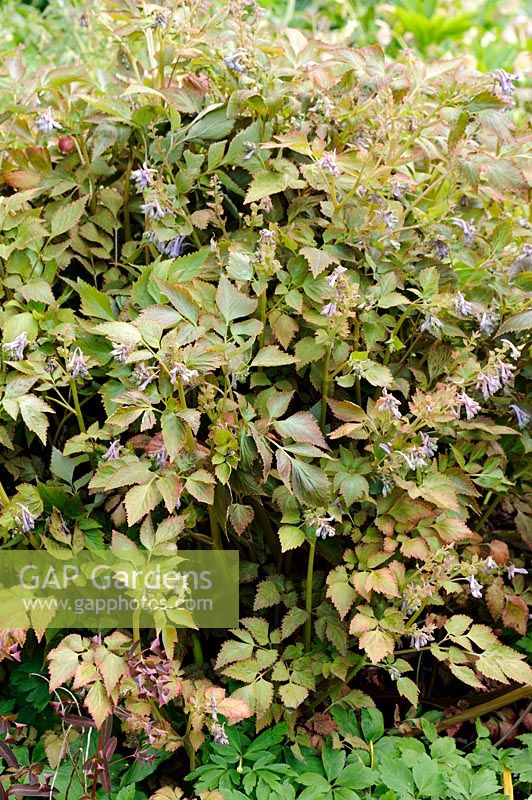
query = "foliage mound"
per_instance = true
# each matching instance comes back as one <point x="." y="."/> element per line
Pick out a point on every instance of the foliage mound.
<point x="269" y="294"/>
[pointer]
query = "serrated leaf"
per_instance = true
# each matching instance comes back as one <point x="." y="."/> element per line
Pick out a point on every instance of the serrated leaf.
<point x="232" y="651"/>
<point x="377" y="644"/>
<point x="66" y="217"/>
<point x="301" y="427"/>
<point x="291" y="537"/>
<point x="63" y="665"/>
<point x="267" y="595"/>
<point x="98" y="703"/>
<point x="201" y="486"/>
<point x="272" y="356"/>
<point x="140" y="500"/>
<point x="93" y="302"/>
<point x="33" y="411"/>
<point x="292" y="620"/>
<point x="240" y="516"/>
<point x="519" y="322"/>
<point x="292" y="694"/>
<point x="318" y="260"/>
<point x="232" y="303"/>
<point x="408" y="689"/>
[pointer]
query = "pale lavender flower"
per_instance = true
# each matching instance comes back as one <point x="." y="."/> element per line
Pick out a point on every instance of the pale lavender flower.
<point x="251" y="150"/>
<point x="329" y="310"/>
<point x="486" y="323"/>
<point x="386" y="447"/>
<point x="333" y="277"/>
<point x="490" y="563"/>
<point x="27" y="518"/>
<point x="513" y="570"/>
<point x="394" y="673"/>
<point x="214" y="709"/>
<point x="505" y="80"/>
<point x="267" y="235"/>
<point x="152" y="237"/>
<point x="440" y="248"/>
<point x="323" y="529"/>
<point x="471" y="406"/>
<point x="429" y="446"/>
<point x="515" y="352"/>
<point x="387" y="402"/>
<point x="414" y="457"/>
<point x="219" y="735"/>
<point x="77" y="366"/>
<point x="461" y="305"/>
<point x="387" y="486"/>
<point x="468" y="229"/>
<point x="15" y="349"/>
<point x="522" y="417"/>
<point x="323" y="104"/>
<point x="488" y="384"/>
<point x="143" y="176"/>
<point x="120" y="352"/>
<point x="390" y="219"/>
<point x="234" y="60"/>
<point x="161" y="457"/>
<point x="153" y="209"/>
<point x="420" y="638"/>
<point x="328" y="164"/>
<point x="431" y="324"/>
<point x="182" y="371"/>
<point x="46" y="122"/>
<point x="475" y="587"/>
<point x="112" y="452"/>
<point x="506" y="371"/>
<point x="174" y="247"/>
<point x="145" y="375"/>
<point x="161" y="19"/>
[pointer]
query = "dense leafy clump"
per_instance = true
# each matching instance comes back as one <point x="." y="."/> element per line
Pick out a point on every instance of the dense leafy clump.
<point x="269" y="294"/>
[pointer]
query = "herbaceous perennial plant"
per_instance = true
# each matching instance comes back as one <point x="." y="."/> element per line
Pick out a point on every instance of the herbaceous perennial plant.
<point x="268" y="294"/>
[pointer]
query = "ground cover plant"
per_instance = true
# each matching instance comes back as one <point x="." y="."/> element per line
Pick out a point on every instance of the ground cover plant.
<point x="269" y="294"/>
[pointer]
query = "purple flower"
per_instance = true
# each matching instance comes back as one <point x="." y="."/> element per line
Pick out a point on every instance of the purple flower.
<point x="440" y="248"/>
<point x="394" y="673"/>
<point x="161" y="19"/>
<point x="174" y="247"/>
<point x="522" y="417"/>
<point x="77" y="366"/>
<point x="46" y="123"/>
<point x="389" y="403"/>
<point x="471" y="406"/>
<point x="145" y="376"/>
<point x="461" y="305"/>
<point x="234" y="60"/>
<point x="27" y="518"/>
<point x="468" y="229"/>
<point x="420" y="639"/>
<point x="475" y="587"/>
<point x="414" y="457"/>
<point x="328" y="164"/>
<point x="323" y="529"/>
<point x="513" y="570"/>
<point x="431" y="324"/>
<point x="161" y="457"/>
<point x="153" y="209"/>
<point x="515" y="352"/>
<point x="387" y="486"/>
<point x="323" y="104"/>
<point x="112" y="452"/>
<point x="488" y="384"/>
<point x="486" y="323"/>
<point x="506" y="371"/>
<point x="152" y="237"/>
<point x="390" y="219"/>
<point x="267" y="235"/>
<point x="143" y="176"/>
<point x="219" y="735"/>
<point x="120" y="352"/>
<point x="182" y="371"/>
<point x="386" y="447"/>
<point x="505" y="80"/>
<point x="490" y="563"/>
<point x="15" y="349"/>
<point x="429" y="446"/>
<point x="329" y="310"/>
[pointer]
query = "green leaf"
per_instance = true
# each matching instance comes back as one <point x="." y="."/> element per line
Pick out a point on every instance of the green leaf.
<point x="292" y="620"/>
<point x="93" y="302"/>
<point x="272" y="356"/>
<point x="291" y="537"/>
<point x="301" y="427"/>
<point x="318" y="260"/>
<point x="98" y="703"/>
<point x="201" y="486"/>
<point x="292" y="694"/>
<point x="309" y="483"/>
<point x="396" y="775"/>
<point x="519" y="322"/>
<point x="232" y="303"/>
<point x="267" y="595"/>
<point x="66" y="217"/>
<point x="232" y="651"/>
<point x="372" y="723"/>
<point x="408" y="689"/>
<point x="214" y="124"/>
<point x="140" y="500"/>
<point x="333" y="762"/>
<point x="240" y="516"/>
<point x="33" y="411"/>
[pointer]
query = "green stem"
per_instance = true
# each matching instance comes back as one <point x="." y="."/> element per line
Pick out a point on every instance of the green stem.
<point x="262" y="311"/>
<point x="127" y="193"/>
<point x="183" y="403"/>
<point x="197" y="651"/>
<point x="216" y="536"/>
<point x="325" y="388"/>
<point x="77" y="407"/>
<point x="4" y="499"/>
<point x="488" y="512"/>
<point x="136" y="630"/>
<point x="308" y="601"/>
